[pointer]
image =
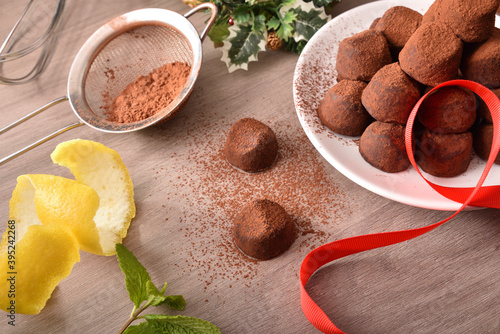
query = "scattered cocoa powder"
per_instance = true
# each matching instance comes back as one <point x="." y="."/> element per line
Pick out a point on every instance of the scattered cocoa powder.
<point x="298" y="181"/>
<point x="148" y="94"/>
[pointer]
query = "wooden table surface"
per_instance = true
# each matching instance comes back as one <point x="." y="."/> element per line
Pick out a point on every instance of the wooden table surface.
<point x="446" y="281"/>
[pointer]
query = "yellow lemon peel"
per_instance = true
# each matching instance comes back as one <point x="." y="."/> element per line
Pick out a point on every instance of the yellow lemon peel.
<point x="59" y="201"/>
<point x="51" y="218"/>
<point x="44" y="255"/>
<point x="102" y="168"/>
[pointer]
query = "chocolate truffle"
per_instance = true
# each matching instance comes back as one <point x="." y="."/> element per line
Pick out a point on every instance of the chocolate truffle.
<point x="433" y="13"/>
<point x="482" y="108"/>
<point x="360" y="56"/>
<point x="251" y="146"/>
<point x="448" y="110"/>
<point x="432" y="54"/>
<point x="382" y="145"/>
<point x="341" y="110"/>
<point x="444" y="155"/>
<point x="397" y="25"/>
<point x="263" y="230"/>
<point x="391" y="95"/>
<point x="483" y="138"/>
<point x="471" y="20"/>
<point x="374" y="23"/>
<point x="481" y="61"/>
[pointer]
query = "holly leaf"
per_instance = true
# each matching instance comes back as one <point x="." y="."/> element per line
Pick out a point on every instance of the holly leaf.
<point x="273" y="23"/>
<point x="325" y="3"/>
<point x="285" y="31"/>
<point x="168" y="324"/>
<point x="242" y="46"/>
<point x="288" y="18"/>
<point x="308" y="19"/>
<point x="241" y="14"/>
<point x="136" y="276"/>
<point x="259" y="24"/>
<point x="219" y="32"/>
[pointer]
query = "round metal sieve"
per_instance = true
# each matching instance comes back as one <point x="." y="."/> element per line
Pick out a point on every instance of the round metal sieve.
<point x="123" y="49"/>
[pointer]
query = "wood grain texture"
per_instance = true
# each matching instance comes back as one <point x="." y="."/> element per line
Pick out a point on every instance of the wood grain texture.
<point x="443" y="282"/>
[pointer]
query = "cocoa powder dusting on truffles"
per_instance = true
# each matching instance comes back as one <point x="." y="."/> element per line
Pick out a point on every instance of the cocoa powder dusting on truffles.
<point x="298" y="181"/>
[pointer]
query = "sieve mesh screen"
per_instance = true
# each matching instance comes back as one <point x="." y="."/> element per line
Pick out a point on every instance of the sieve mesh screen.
<point x="133" y="53"/>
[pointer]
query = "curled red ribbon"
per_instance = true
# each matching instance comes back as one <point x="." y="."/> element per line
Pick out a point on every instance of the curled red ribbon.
<point x="488" y="196"/>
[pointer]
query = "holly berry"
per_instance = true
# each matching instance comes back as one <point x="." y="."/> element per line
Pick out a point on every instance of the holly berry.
<point x="230" y="21"/>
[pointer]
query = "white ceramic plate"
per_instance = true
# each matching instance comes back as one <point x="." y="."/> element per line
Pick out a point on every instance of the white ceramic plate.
<point x="314" y="75"/>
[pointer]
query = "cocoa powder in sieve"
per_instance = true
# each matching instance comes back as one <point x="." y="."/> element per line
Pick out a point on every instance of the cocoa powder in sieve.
<point x="149" y="94"/>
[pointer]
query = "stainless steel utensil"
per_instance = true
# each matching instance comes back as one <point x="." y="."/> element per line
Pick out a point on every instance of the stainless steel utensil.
<point x="34" y="17"/>
<point x="126" y="47"/>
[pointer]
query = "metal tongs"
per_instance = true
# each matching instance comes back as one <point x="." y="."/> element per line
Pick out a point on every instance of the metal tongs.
<point x="26" y="25"/>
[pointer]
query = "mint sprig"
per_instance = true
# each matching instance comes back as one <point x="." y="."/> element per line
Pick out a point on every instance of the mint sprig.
<point x="143" y="293"/>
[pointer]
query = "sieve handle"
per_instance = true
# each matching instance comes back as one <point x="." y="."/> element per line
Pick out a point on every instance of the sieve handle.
<point x="33" y="113"/>
<point x="38" y="142"/>
<point x="211" y="21"/>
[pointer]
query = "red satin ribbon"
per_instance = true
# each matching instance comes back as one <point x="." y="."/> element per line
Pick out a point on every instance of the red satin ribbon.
<point x="488" y="196"/>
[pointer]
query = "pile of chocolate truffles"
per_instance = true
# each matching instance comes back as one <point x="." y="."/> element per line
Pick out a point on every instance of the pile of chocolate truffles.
<point x="383" y="71"/>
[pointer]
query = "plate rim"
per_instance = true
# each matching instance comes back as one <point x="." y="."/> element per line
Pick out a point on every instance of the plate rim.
<point x="434" y="202"/>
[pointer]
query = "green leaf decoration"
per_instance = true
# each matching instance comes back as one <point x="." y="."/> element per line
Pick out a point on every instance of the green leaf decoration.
<point x="241" y="14"/>
<point x="294" y="21"/>
<point x="219" y="32"/>
<point x="165" y="324"/>
<point x="156" y="298"/>
<point x="288" y="18"/>
<point x="324" y="3"/>
<point x="285" y="31"/>
<point x="136" y="276"/>
<point x="273" y="23"/>
<point x="308" y="19"/>
<point x="259" y="24"/>
<point x="242" y="46"/>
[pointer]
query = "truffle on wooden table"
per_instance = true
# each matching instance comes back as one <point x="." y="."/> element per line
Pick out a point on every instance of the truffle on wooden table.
<point x="444" y="155"/>
<point x="263" y="230"/>
<point x="341" y="110"/>
<point x="360" y="56"/>
<point x="382" y="145"/>
<point x="391" y="95"/>
<point x="432" y="54"/>
<point x="251" y="146"/>
<point x="448" y="110"/>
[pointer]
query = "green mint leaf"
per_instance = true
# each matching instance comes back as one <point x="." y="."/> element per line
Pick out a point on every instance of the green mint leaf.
<point x="140" y="329"/>
<point x="273" y="23"/>
<point x="136" y="276"/>
<point x="156" y="298"/>
<point x="176" y="302"/>
<point x="165" y="324"/>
